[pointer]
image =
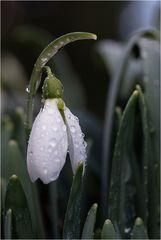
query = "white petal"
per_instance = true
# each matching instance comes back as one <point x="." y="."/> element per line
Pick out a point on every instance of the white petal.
<point x="47" y="146"/>
<point x="76" y="143"/>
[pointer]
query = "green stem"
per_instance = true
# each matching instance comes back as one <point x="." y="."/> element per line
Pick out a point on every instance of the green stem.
<point x="44" y="57"/>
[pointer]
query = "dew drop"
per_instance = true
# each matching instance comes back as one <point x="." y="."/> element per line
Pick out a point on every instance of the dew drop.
<point x="31" y="153"/>
<point x="27" y="90"/>
<point x="49" y="149"/>
<point x="144" y="54"/>
<point x="72" y="129"/>
<point x="43" y="127"/>
<point x="53" y="143"/>
<point x="64" y="128"/>
<point x="50" y="111"/>
<point x="56" y="153"/>
<point x="57" y="160"/>
<point x="58" y="119"/>
<point x="54" y="128"/>
<point x="85" y="144"/>
<point x="127" y="230"/>
<point x="44" y="59"/>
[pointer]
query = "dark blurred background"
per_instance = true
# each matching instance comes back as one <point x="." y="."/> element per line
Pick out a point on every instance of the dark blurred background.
<point x="109" y="20"/>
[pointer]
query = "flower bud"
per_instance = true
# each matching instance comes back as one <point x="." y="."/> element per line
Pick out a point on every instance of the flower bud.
<point x="52" y="87"/>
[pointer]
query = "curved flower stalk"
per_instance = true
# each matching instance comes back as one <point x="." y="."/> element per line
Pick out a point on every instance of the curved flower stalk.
<point x="44" y="57"/>
<point x="55" y="131"/>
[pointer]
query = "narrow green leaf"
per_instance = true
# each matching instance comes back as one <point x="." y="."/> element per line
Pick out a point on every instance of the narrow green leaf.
<point x="72" y="217"/>
<point x="139" y="230"/>
<point x="20" y="129"/>
<point x="151" y="186"/>
<point x="53" y="195"/>
<point x="16" y="201"/>
<point x="14" y="163"/>
<point x="118" y="112"/>
<point x="8" y="225"/>
<point x="108" y="231"/>
<point x="3" y="184"/>
<point x="44" y="57"/>
<point x="88" y="228"/>
<point x="115" y="84"/>
<point x="121" y="197"/>
<point x="150" y="54"/>
<point x="6" y="133"/>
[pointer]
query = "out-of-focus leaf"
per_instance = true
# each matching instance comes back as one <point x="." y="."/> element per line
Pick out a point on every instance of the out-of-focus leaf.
<point x="139" y="230"/>
<point x="151" y="186"/>
<point x="17" y="202"/>
<point x="53" y="199"/>
<point x="72" y="217"/>
<point x="8" y="225"/>
<point x="118" y="112"/>
<point x="150" y="53"/>
<point x="20" y="129"/>
<point x="115" y="84"/>
<point x="122" y="190"/>
<point x="108" y="231"/>
<point x="88" y="228"/>
<point x="6" y="133"/>
<point x="3" y="184"/>
<point x="13" y="83"/>
<point x="13" y="163"/>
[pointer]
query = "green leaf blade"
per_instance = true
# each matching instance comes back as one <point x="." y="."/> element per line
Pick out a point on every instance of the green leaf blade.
<point x="139" y="230"/>
<point x="8" y="225"/>
<point x="88" y="228"/>
<point x="121" y="197"/>
<point x="16" y="201"/>
<point x="108" y="231"/>
<point x="72" y="217"/>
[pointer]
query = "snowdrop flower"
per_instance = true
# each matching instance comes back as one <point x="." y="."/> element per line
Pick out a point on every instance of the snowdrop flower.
<point x="55" y="131"/>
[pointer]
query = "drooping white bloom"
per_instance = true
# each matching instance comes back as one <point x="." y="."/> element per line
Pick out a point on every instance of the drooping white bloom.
<point x="49" y="141"/>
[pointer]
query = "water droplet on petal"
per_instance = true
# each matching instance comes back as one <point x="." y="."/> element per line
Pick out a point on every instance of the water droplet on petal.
<point x="85" y="144"/>
<point x="54" y="128"/>
<point x="53" y="143"/>
<point x="56" y="153"/>
<point x="58" y="119"/>
<point x="57" y="160"/>
<point x="50" y="111"/>
<point x="31" y="153"/>
<point x="72" y="129"/>
<point x="43" y="127"/>
<point x="64" y="128"/>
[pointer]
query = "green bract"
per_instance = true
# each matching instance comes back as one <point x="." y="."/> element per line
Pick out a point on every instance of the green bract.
<point x="52" y="87"/>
